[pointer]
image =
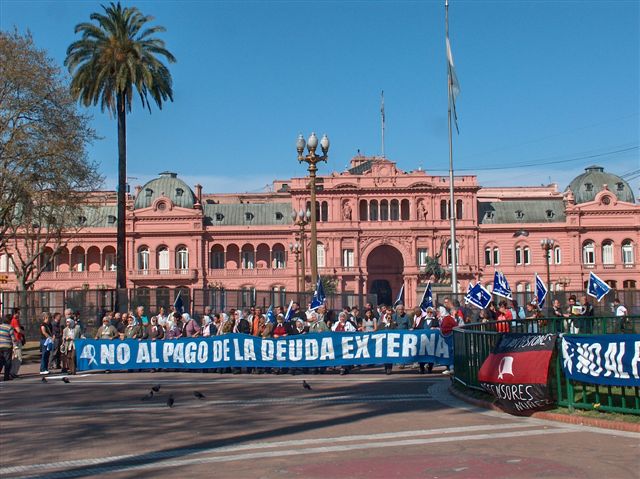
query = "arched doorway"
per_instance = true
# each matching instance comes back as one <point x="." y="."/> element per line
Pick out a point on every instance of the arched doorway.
<point x="384" y="272"/>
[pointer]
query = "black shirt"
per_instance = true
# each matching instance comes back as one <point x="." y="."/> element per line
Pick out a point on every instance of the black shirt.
<point x="48" y="329"/>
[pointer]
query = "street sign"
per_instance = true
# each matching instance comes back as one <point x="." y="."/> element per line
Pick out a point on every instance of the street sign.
<point x="4" y="278"/>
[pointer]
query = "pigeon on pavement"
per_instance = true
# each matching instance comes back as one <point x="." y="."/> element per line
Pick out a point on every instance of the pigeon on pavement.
<point x="170" y="401"/>
<point x="65" y="380"/>
<point x="198" y="394"/>
<point x="305" y="385"/>
<point x="156" y="388"/>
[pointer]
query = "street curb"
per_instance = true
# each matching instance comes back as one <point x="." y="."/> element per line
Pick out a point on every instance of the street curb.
<point x="578" y="420"/>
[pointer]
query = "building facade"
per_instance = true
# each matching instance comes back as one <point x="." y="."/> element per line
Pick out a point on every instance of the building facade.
<point x="378" y="228"/>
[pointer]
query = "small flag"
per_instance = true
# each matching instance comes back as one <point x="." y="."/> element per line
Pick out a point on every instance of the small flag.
<point x="271" y="316"/>
<point x="597" y="288"/>
<point x="479" y="296"/>
<point x="541" y="292"/>
<point x="400" y="299"/>
<point x="178" y="304"/>
<point x="289" y="314"/>
<point x="501" y="285"/>
<point x="427" y="298"/>
<point x="318" y="296"/>
<point x="469" y="286"/>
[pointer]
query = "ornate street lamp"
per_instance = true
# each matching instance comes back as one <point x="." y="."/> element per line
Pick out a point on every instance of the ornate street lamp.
<point x="547" y="245"/>
<point x="312" y="159"/>
<point x="300" y="219"/>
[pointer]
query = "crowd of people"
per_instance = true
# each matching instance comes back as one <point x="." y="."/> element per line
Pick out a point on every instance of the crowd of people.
<point x="58" y="332"/>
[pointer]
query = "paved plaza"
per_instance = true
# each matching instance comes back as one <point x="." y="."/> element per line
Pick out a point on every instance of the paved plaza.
<point x="363" y="425"/>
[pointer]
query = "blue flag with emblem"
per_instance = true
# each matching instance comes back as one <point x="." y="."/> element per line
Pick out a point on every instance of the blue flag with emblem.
<point x="178" y="304"/>
<point x="318" y="296"/>
<point x="469" y="286"/>
<point x="541" y="292"/>
<point x="287" y="317"/>
<point x="427" y="298"/>
<point x="479" y="296"/>
<point x="597" y="288"/>
<point x="501" y="285"/>
<point x="271" y="316"/>
<point x="400" y="299"/>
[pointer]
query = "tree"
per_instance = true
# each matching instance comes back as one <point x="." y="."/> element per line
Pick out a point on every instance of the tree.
<point x="116" y="54"/>
<point x="46" y="180"/>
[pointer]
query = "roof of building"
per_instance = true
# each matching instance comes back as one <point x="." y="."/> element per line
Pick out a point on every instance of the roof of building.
<point x="522" y="211"/>
<point x="169" y="185"/>
<point x="361" y="168"/>
<point x="586" y="186"/>
<point x="98" y="216"/>
<point x="247" y="214"/>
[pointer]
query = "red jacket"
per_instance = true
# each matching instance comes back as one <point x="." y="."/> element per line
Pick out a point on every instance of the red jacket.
<point x="447" y="324"/>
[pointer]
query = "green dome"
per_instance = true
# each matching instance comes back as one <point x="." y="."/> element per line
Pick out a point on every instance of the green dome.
<point x="586" y="186"/>
<point x="168" y="185"/>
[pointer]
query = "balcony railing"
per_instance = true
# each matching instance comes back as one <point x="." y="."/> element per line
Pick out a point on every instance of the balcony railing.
<point x="184" y="274"/>
<point x="248" y="273"/>
<point x="76" y="275"/>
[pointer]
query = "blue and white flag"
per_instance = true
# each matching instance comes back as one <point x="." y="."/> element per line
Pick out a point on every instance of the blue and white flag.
<point x="318" y="296"/>
<point x="400" y="299"/>
<point x="501" y="285"/>
<point x="478" y="296"/>
<point x="597" y="288"/>
<point x="541" y="292"/>
<point x="271" y="316"/>
<point x="469" y="286"/>
<point x="178" y="304"/>
<point x="287" y="317"/>
<point x="427" y="298"/>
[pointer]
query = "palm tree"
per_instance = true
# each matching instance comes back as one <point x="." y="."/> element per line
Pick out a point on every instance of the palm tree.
<point x="115" y="54"/>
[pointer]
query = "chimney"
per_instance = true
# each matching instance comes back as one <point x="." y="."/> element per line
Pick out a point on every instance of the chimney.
<point x="138" y="189"/>
<point x="199" y="193"/>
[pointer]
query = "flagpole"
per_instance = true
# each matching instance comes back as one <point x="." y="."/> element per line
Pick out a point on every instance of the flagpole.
<point x="382" y="114"/>
<point x="452" y="216"/>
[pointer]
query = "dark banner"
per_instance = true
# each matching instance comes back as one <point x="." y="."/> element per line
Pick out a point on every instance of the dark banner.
<point x="241" y="350"/>
<point x="611" y="360"/>
<point x="517" y="372"/>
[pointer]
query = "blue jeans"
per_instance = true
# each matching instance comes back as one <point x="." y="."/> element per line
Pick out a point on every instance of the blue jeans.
<point x="44" y="360"/>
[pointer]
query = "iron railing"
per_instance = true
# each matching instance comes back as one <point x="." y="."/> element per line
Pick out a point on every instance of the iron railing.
<point x="474" y="342"/>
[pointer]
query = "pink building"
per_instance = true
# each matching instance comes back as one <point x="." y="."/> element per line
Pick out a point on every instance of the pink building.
<point x="377" y="227"/>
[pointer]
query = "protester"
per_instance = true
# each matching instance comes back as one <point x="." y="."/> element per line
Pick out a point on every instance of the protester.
<point x="156" y="331"/>
<point x="70" y="333"/>
<point x="7" y="340"/>
<point x="504" y="318"/>
<point x="587" y="313"/>
<point x="175" y="327"/>
<point x="421" y="321"/>
<point x="387" y="323"/>
<point x="46" y="343"/>
<point x="106" y="331"/>
<point x="401" y="318"/>
<point x="56" y="331"/>
<point x="191" y="329"/>
<point x="621" y="313"/>
<point x="369" y="322"/>
<point x="20" y="340"/>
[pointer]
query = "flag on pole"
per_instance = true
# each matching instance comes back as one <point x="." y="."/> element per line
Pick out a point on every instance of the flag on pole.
<point x="478" y="296"/>
<point x="501" y="285"/>
<point x="597" y="287"/>
<point x="271" y="316"/>
<point x="400" y="299"/>
<point x="287" y="317"/>
<point x="318" y="296"/>
<point x="427" y="298"/>
<point x="178" y="304"/>
<point x="469" y="286"/>
<point x="454" y="85"/>
<point x="541" y="292"/>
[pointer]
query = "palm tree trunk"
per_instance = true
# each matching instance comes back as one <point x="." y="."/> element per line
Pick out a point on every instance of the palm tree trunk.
<point x="121" y="248"/>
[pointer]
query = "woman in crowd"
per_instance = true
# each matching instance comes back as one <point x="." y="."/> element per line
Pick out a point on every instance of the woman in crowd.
<point x="369" y="322"/>
<point x="156" y="331"/>
<point x="46" y="342"/>
<point x="69" y="335"/>
<point x="107" y="331"/>
<point x="387" y="323"/>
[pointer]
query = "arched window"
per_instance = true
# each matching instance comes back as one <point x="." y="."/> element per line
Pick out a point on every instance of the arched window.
<point x="404" y="210"/>
<point x="588" y="253"/>
<point x="496" y="256"/>
<point x="77" y="259"/>
<point x="394" y="213"/>
<point x="526" y="255"/>
<point x="612" y="282"/>
<point x="557" y="255"/>
<point x="217" y="257"/>
<point x="518" y="255"/>
<point x="487" y="256"/>
<point x="363" y="210"/>
<point x="384" y="210"/>
<point x="458" y="209"/>
<point x="324" y="211"/>
<point x="143" y="258"/>
<point x="629" y="284"/>
<point x="6" y="263"/>
<point x="279" y="257"/>
<point x="182" y="258"/>
<point x="449" y="253"/>
<point x="109" y="258"/>
<point x="607" y="252"/>
<point x="320" y="255"/>
<point x="248" y="257"/>
<point x="444" y="210"/>
<point x="373" y="210"/>
<point x="163" y="258"/>
<point x="627" y="252"/>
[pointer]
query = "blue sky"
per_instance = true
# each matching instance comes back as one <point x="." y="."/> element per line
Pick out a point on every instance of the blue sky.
<point x="540" y="81"/>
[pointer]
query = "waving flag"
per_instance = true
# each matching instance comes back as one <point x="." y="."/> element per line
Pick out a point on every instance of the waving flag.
<point x="318" y="296"/>
<point x="178" y="304"/>
<point x="287" y="317"/>
<point x="427" y="298"/>
<point x="271" y="316"/>
<point x="541" y="292"/>
<point x="597" y="288"/>
<point x="478" y="296"/>
<point x="501" y="285"/>
<point x="400" y="299"/>
<point x="469" y="286"/>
